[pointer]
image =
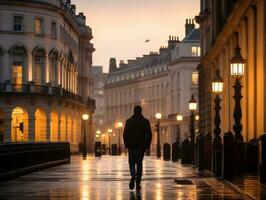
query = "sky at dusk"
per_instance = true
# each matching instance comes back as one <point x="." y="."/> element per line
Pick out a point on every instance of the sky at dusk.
<point x="121" y="27"/>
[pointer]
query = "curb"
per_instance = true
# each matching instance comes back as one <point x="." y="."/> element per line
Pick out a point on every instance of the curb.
<point x="239" y="190"/>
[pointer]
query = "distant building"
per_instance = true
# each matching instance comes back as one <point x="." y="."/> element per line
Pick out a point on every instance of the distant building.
<point x="225" y="25"/>
<point x="45" y="57"/>
<point x="98" y="81"/>
<point x="159" y="82"/>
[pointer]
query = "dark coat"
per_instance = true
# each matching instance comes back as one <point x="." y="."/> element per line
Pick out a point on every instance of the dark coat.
<point x="137" y="132"/>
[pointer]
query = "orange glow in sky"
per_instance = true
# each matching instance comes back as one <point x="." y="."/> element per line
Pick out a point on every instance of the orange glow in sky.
<point x="121" y="27"/>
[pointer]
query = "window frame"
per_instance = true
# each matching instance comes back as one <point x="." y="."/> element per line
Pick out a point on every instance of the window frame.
<point x="53" y="34"/>
<point x="41" y="25"/>
<point x="22" y="23"/>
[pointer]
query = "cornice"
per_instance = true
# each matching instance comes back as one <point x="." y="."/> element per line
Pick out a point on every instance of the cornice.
<point x="228" y="30"/>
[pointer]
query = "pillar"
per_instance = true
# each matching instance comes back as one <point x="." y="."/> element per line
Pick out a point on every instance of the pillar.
<point x="48" y="127"/>
<point x="31" y="127"/>
<point x="6" y="68"/>
<point x="59" y="128"/>
<point x="47" y="70"/>
<point x="29" y="67"/>
<point x="58" y="77"/>
<point x="66" y="126"/>
<point x="7" y="128"/>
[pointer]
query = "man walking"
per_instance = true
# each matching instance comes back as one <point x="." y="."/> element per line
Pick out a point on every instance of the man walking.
<point x="137" y="138"/>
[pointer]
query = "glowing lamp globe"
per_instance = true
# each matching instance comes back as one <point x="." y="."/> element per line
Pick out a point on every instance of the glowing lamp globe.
<point x="193" y="104"/>
<point x="237" y="64"/>
<point x="217" y="83"/>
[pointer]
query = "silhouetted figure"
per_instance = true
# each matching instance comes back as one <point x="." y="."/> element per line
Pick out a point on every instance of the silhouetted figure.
<point x="1" y="136"/>
<point x="137" y="138"/>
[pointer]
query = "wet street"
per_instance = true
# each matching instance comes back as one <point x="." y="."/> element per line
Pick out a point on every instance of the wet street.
<point x="107" y="178"/>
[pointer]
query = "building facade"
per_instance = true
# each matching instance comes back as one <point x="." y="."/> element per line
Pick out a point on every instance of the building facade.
<point x="99" y="78"/>
<point x="159" y="82"/>
<point x="224" y="26"/>
<point x="45" y="54"/>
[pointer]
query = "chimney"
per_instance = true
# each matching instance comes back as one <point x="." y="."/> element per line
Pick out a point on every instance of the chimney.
<point x="112" y="65"/>
<point x="172" y="41"/>
<point x="73" y="9"/>
<point x="190" y="25"/>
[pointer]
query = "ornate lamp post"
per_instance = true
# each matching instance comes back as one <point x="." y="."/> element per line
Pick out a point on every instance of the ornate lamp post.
<point x="237" y="65"/>
<point x="119" y="126"/>
<point x="179" y="119"/>
<point x="109" y="135"/>
<point x="158" y="116"/>
<point x="85" y="118"/>
<point x="217" y="89"/>
<point x="192" y="108"/>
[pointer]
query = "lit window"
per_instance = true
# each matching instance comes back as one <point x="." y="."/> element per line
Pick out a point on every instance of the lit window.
<point x="18" y="22"/>
<point x="195" y="50"/>
<point x="38" y="26"/>
<point x="53" y="29"/>
<point x="195" y="78"/>
<point x="101" y="92"/>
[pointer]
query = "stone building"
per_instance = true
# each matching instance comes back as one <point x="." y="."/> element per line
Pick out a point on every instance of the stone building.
<point x="99" y="78"/>
<point x="225" y="25"/>
<point x="45" y="54"/>
<point x="159" y="82"/>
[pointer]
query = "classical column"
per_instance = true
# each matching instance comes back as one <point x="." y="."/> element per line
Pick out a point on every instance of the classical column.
<point x="31" y="127"/>
<point x="29" y="67"/>
<point x="48" y="128"/>
<point x="6" y="66"/>
<point x="58" y="78"/>
<point x="59" y="129"/>
<point x="72" y="132"/>
<point x="7" y="128"/>
<point x="66" y="127"/>
<point x="62" y="74"/>
<point x="47" y="70"/>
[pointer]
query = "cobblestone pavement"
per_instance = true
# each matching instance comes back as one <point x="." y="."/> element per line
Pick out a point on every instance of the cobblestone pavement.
<point x="107" y="178"/>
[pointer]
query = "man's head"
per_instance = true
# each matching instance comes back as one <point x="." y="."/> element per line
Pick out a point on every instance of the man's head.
<point x="137" y="109"/>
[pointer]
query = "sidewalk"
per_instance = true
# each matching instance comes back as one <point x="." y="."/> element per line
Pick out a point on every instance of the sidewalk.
<point x="108" y="177"/>
<point x="250" y="186"/>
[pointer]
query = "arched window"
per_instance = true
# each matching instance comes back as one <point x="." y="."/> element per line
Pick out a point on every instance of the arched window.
<point x="39" y="66"/>
<point x="18" y="63"/>
<point x="53" y="67"/>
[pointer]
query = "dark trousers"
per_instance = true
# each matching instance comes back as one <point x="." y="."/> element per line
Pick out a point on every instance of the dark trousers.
<point x="135" y="158"/>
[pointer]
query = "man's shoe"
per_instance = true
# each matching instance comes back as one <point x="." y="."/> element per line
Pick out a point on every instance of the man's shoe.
<point x="132" y="183"/>
<point x="138" y="187"/>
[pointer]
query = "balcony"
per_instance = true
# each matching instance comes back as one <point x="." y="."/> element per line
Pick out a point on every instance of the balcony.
<point x="10" y="88"/>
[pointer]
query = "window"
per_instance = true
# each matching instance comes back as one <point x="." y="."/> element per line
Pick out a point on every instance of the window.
<point x="195" y="51"/>
<point x="18" y="23"/>
<point x="17" y="55"/>
<point x="39" y="66"/>
<point x="53" y="29"/>
<point x="53" y="65"/>
<point x="195" y="77"/>
<point x="17" y="69"/>
<point x="38" y="26"/>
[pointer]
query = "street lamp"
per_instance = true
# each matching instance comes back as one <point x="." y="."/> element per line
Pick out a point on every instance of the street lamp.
<point x="158" y="116"/>
<point x="192" y="107"/>
<point x="217" y="89"/>
<point x="237" y="65"/>
<point x="85" y="118"/>
<point x="119" y="126"/>
<point x="109" y="134"/>
<point x="179" y="119"/>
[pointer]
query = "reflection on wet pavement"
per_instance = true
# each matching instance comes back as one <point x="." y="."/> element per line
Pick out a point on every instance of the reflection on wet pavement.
<point x="108" y="177"/>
